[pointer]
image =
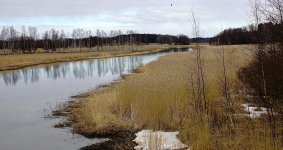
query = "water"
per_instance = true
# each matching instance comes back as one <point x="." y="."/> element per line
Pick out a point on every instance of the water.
<point x="26" y="96"/>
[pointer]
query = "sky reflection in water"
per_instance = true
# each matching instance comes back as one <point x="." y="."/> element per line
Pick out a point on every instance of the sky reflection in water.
<point x="26" y="94"/>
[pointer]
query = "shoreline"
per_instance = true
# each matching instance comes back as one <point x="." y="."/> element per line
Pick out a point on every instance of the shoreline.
<point x="98" y="114"/>
<point x="119" y="137"/>
<point x="132" y="53"/>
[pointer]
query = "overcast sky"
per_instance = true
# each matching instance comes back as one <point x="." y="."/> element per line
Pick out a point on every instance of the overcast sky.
<point x="144" y="16"/>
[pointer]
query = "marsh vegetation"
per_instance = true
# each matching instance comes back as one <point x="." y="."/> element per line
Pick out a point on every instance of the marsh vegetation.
<point x="161" y="97"/>
<point x="218" y="96"/>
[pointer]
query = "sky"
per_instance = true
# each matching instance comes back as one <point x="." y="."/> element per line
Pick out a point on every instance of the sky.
<point x="143" y="16"/>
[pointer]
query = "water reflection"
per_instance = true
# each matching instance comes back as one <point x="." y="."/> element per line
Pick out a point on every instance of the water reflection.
<point x="24" y="93"/>
<point x="79" y="69"/>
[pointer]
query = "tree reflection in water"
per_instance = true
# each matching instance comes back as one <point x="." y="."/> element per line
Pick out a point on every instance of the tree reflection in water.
<point x="79" y="69"/>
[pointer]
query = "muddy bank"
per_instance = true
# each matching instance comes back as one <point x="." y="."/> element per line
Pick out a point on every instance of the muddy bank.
<point x="118" y="138"/>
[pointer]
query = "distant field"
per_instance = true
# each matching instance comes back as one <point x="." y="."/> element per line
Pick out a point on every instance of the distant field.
<point x="83" y="49"/>
<point x="15" y="61"/>
<point x="159" y="97"/>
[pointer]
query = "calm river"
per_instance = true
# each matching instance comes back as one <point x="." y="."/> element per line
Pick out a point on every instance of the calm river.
<point x="28" y="95"/>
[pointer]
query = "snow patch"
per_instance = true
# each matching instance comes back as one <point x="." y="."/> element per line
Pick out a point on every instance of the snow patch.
<point x="254" y="111"/>
<point x="149" y="140"/>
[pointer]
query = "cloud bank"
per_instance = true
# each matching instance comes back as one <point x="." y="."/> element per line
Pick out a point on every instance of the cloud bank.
<point x="146" y="16"/>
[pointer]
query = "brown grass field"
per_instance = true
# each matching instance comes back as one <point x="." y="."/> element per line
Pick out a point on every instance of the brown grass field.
<point x="159" y="97"/>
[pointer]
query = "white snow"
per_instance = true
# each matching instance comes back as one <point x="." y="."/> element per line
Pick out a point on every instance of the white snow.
<point x="151" y="140"/>
<point x="254" y="111"/>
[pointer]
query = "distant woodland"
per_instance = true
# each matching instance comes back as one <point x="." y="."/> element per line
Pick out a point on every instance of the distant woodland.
<point x="28" y="40"/>
<point x="248" y="35"/>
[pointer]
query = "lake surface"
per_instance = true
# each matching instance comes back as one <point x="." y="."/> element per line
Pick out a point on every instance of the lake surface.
<point x="28" y="95"/>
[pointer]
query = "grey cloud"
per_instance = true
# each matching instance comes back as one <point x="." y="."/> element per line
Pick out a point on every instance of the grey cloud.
<point x="148" y="12"/>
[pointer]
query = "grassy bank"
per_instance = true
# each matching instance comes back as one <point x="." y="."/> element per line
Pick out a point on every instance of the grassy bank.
<point x="17" y="61"/>
<point x="160" y="97"/>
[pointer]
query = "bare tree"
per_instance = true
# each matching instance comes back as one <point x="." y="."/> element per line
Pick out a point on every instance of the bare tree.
<point x="80" y="34"/>
<point x="74" y="36"/>
<point x="200" y="79"/>
<point x="272" y="10"/>
<point x="4" y="38"/>
<point x="62" y="40"/>
<point x="89" y="35"/>
<point x="104" y="35"/>
<point x="12" y="38"/>
<point x="98" y="37"/>
<point x="33" y="35"/>
<point x="54" y="39"/>
<point x="46" y="38"/>
<point x="24" y="39"/>
<point x="113" y="34"/>
<point x="225" y="86"/>
<point x="120" y="34"/>
<point x="67" y="40"/>
<point x="130" y="40"/>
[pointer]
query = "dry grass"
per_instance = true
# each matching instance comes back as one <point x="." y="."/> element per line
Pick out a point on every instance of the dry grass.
<point x="159" y="98"/>
<point x="16" y="61"/>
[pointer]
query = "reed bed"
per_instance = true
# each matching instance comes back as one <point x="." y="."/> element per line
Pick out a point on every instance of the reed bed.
<point x="160" y="97"/>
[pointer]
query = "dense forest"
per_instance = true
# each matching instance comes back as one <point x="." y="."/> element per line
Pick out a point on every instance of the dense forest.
<point x="28" y="40"/>
<point x="246" y="35"/>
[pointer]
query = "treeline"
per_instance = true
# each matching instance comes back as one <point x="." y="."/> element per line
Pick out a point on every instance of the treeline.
<point x="169" y="39"/>
<point x="28" y="40"/>
<point x="200" y="40"/>
<point x="265" y="74"/>
<point x="232" y="36"/>
<point x="245" y="35"/>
